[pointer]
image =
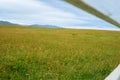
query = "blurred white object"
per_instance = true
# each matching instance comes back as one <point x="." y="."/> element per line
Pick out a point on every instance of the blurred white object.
<point x="115" y="75"/>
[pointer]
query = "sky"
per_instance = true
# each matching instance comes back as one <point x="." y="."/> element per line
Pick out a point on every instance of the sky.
<point x="59" y="13"/>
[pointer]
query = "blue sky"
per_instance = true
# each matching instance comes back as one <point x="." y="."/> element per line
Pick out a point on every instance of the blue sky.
<point x="58" y="12"/>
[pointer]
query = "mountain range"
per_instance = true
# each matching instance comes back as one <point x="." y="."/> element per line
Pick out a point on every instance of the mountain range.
<point x="33" y="25"/>
<point x="45" y="26"/>
<point x="7" y="23"/>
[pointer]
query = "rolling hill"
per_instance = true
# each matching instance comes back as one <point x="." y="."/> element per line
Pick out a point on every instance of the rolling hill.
<point x="7" y="23"/>
<point x="33" y="25"/>
<point x="44" y="26"/>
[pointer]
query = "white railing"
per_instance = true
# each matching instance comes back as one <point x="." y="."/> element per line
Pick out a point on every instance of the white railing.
<point x="115" y="75"/>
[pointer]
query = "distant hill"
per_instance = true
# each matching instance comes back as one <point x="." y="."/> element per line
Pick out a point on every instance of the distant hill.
<point x="7" y="23"/>
<point x="45" y="26"/>
<point x="34" y="25"/>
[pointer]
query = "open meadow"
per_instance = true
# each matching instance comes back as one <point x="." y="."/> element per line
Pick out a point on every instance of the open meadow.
<point x="29" y="53"/>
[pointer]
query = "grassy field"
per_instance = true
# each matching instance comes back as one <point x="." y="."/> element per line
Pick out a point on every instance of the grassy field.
<point x="57" y="54"/>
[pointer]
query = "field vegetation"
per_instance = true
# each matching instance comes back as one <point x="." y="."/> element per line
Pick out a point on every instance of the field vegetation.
<point x="29" y="53"/>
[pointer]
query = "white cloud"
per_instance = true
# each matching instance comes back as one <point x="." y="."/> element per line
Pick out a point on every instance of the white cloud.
<point x="39" y="12"/>
<point x="23" y="6"/>
<point x="32" y="11"/>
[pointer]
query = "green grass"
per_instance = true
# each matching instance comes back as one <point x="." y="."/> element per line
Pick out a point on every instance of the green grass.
<point x="57" y="54"/>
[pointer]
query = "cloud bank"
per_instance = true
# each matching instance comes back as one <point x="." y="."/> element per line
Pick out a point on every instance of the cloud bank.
<point x="54" y="12"/>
